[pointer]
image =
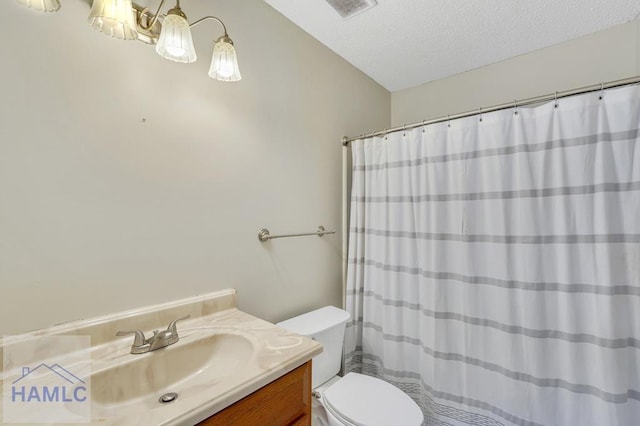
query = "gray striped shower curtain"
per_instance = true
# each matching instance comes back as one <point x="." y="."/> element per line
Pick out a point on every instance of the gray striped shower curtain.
<point x="494" y="264"/>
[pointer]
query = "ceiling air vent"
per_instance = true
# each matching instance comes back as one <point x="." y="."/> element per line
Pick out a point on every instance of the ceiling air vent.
<point x="349" y="8"/>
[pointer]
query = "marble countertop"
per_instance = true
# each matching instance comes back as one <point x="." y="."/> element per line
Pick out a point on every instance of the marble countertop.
<point x="124" y="388"/>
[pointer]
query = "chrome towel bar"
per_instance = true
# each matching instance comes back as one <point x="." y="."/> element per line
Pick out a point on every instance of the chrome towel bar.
<point x="265" y="236"/>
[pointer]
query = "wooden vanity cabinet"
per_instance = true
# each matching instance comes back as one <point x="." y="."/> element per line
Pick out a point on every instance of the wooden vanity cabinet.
<point x="284" y="402"/>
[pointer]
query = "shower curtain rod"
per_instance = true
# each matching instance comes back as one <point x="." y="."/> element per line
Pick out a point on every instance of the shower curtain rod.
<point x="538" y="99"/>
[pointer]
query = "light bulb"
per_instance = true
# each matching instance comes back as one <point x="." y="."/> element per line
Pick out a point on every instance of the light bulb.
<point x="226" y="68"/>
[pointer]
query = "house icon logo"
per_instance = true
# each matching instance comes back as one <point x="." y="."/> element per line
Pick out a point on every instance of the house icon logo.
<point x="46" y="379"/>
<point x="48" y="384"/>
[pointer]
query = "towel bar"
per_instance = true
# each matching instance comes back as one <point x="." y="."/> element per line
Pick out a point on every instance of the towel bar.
<point x="264" y="234"/>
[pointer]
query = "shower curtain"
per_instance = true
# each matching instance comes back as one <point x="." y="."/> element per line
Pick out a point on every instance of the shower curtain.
<point x="494" y="264"/>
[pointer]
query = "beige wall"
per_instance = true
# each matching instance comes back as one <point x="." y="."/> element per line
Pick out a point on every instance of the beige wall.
<point x="127" y="180"/>
<point x="604" y="56"/>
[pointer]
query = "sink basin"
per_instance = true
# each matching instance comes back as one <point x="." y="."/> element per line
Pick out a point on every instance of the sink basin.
<point x="143" y="379"/>
<point x="223" y="356"/>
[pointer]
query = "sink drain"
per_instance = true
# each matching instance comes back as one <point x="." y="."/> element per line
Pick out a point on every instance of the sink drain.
<point x="168" y="397"/>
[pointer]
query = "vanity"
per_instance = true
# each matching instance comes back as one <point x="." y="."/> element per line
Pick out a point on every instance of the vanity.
<point x="285" y="401"/>
<point x="219" y="366"/>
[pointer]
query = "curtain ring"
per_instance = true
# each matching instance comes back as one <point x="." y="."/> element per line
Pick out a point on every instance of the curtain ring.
<point x="515" y="106"/>
<point x="555" y="97"/>
<point x="448" y="120"/>
<point x="480" y="113"/>
<point x="404" y="133"/>
<point x="423" y="129"/>
<point x="601" y="91"/>
<point x="386" y="132"/>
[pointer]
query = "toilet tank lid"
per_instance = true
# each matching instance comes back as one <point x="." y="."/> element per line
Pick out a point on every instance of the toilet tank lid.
<point x="366" y="400"/>
<point x="315" y="321"/>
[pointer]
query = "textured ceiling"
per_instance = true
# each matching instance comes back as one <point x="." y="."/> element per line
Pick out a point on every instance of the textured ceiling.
<point x="404" y="43"/>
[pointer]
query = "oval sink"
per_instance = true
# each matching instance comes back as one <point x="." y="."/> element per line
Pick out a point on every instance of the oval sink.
<point x="167" y="370"/>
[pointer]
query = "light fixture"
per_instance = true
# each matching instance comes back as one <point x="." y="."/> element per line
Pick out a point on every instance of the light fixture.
<point x="171" y="33"/>
<point x="115" y="18"/>
<point x="41" y="5"/>
<point x="176" y="43"/>
<point x="224" y="64"/>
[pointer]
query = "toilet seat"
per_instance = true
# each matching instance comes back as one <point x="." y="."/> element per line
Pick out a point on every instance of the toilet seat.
<point x="337" y="416"/>
<point x="361" y="400"/>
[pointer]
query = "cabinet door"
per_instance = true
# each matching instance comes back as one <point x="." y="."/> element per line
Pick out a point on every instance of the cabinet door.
<point x="283" y="402"/>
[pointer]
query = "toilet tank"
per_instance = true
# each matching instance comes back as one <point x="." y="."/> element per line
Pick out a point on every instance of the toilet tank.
<point x="326" y="326"/>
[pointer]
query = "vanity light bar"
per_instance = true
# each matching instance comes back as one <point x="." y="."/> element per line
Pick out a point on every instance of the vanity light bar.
<point x="124" y="20"/>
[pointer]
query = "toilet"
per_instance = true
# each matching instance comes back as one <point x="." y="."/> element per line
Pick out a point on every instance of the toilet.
<point x="355" y="399"/>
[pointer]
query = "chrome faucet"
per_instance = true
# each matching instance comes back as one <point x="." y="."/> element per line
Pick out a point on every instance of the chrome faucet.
<point x="160" y="339"/>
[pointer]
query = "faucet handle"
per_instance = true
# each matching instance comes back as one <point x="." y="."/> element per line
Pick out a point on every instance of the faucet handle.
<point x="172" y="325"/>
<point x="139" y="339"/>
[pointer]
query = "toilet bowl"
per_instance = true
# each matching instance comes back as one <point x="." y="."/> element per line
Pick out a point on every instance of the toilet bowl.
<point x="355" y="399"/>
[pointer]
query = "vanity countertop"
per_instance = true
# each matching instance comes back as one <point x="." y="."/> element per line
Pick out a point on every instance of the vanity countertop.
<point x="222" y="356"/>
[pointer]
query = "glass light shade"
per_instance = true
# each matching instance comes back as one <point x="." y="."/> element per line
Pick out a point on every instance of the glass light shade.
<point x="224" y="64"/>
<point x="175" y="42"/>
<point x="42" y="5"/>
<point x="115" y="18"/>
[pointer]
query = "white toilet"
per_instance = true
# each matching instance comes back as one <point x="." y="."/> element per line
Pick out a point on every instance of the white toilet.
<point x="355" y="399"/>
